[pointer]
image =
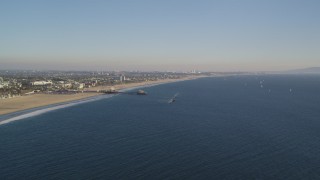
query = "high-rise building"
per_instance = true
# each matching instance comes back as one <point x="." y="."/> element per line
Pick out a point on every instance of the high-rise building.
<point x="122" y="78"/>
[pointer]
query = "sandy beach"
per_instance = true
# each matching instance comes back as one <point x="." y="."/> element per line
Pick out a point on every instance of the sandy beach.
<point x="132" y="85"/>
<point x="37" y="100"/>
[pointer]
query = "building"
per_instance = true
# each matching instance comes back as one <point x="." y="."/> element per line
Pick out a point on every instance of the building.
<point x="4" y="84"/>
<point x="122" y="78"/>
<point x="79" y="85"/>
<point x="90" y="84"/>
<point x="195" y="72"/>
<point x="41" y="83"/>
<point x="67" y="85"/>
<point x="1" y="83"/>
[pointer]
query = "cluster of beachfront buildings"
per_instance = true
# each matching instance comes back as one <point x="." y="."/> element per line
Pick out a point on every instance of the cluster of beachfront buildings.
<point x="18" y="83"/>
<point x="9" y="88"/>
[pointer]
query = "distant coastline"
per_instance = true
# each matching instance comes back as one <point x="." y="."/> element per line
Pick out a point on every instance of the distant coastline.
<point x="25" y="103"/>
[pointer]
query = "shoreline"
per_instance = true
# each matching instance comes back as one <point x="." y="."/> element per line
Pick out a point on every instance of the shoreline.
<point x="38" y="101"/>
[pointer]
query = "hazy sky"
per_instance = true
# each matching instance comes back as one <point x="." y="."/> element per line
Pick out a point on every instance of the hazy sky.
<point x="217" y="35"/>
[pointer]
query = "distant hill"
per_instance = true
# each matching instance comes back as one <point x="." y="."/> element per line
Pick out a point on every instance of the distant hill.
<point x="311" y="70"/>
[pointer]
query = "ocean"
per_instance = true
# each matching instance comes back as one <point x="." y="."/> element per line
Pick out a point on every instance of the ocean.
<point x="238" y="127"/>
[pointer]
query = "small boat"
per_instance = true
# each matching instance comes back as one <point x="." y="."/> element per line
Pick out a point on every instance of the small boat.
<point x="173" y="99"/>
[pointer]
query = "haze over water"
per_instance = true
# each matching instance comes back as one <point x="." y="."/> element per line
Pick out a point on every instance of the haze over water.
<point x="218" y="128"/>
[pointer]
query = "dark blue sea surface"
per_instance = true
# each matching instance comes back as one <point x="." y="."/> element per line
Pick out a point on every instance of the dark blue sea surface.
<point x="241" y="127"/>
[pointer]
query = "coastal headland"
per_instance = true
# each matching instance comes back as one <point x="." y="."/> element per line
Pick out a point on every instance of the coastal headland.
<point x="38" y="100"/>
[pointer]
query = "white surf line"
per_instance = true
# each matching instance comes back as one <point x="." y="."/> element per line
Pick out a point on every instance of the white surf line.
<point x="45" y="110"/>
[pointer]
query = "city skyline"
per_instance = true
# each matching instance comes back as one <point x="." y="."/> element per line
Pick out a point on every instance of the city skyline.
<point x="160" y="35"/>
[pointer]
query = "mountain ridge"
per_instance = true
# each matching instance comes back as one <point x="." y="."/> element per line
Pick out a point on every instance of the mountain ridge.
<point x="311" y="70"/>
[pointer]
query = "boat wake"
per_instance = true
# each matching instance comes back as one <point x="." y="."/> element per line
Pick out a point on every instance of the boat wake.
<point x="173" y="99"/>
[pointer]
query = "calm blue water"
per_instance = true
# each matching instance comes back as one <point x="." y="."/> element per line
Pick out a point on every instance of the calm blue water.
<point x="219" y="128"/>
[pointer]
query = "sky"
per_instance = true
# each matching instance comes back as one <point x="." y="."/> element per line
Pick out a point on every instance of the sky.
<point x="175" y="35"/>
